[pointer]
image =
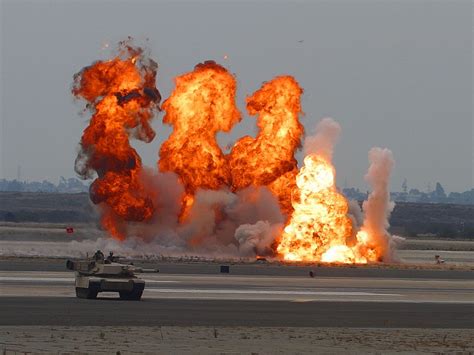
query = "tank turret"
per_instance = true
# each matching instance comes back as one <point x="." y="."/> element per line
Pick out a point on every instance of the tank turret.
<point x="100" y="274"/>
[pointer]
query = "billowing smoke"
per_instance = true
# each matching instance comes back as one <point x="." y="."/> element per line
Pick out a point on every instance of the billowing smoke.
<point x="220" y="223"/>
<point x="378" y="206"/>
<point x="257" y="238"/>
<point x="356" y="213"/>
<point x="323" y="141"/>
<point x="167" y="199"/>
<point x="244" y="223"/>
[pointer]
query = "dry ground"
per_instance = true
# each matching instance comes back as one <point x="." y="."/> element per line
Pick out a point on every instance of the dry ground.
<point x="231" y="340"/>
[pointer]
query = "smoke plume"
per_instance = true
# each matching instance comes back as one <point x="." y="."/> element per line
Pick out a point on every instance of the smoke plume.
<point x="323" y="141"/>
<point x="243" y="223"/>
<point x="378" y="206"/>
<point x="256" y="238"/>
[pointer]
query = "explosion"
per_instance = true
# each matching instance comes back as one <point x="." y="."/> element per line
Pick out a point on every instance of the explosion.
<point x="122" y="96"/>
<point x="319" y="220"/>
<point x="320" y="228"/>
<point x="253" y="200"/>
<point x="202" y="104"/>
<point x="268" y="159"/>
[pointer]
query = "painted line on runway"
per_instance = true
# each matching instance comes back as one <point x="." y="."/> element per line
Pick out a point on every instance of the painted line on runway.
<point x="269" y="292"/>
<point x="64" y="279"/>
<point x="40" y="279"/>
<point x="288" y="298"/>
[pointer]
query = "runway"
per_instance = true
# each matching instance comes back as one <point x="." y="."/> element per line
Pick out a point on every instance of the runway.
<point x="67" y="311"/>
<point x="47" y="298"/>
<point x="254" y="269"/>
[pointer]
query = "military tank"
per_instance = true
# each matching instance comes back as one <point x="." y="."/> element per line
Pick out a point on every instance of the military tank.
<point x="100" y="274"/>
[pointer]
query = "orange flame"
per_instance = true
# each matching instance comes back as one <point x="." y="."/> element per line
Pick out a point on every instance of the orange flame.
<point x="319" y="228"/>
<point x="201" y="105"/>
<point x="268" y="159"/>
<point x="122" y="94"/>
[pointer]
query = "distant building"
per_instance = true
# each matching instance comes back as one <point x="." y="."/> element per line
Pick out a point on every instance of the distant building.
<point x="416" y="196"/>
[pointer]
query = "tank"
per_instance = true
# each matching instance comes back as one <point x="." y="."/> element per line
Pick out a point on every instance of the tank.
<point x="100" y="274"/>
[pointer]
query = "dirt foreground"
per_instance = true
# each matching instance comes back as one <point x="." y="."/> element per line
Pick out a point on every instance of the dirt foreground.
<point x="231" y="340"/>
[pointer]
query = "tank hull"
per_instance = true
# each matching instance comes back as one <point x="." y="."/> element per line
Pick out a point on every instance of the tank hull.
<point x="89" y="286"/>
<point x="97" y="274"/>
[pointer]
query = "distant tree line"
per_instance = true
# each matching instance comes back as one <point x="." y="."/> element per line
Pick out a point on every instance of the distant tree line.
<point x="71" y="185"/>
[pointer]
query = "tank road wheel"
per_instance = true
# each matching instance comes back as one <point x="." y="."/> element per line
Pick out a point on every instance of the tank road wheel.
<point x="89" y="292"/>
<point x="134" y="295"/>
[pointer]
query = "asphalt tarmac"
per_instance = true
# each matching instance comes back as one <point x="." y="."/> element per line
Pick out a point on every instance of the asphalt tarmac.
<point x="257" y="269"/>
<point x="68" y="311"/>
<point x="47" y="298"/>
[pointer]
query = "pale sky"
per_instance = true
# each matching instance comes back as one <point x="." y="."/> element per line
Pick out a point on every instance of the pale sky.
<point x="396" y="74"/>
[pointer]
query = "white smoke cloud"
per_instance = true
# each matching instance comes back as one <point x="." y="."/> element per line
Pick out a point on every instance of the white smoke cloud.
<point x="257" y="238"/>
<point x="323" y="141"/>
<point x="378" y="206"/>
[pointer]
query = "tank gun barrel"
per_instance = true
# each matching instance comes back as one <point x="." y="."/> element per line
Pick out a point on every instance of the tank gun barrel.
<point x="147" y="271"/>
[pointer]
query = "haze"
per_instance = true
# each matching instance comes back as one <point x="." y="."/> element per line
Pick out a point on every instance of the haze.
<point x="394" y="74"/>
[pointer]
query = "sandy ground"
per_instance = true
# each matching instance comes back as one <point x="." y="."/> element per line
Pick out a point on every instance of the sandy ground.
<point x="231" y="340"/>
<point x="450" y="257"/>
<point x="438" y="244"/>
<point x="53" y="232"/>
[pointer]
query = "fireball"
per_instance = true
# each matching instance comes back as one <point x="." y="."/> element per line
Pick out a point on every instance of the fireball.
<point x="319" y="228"/>
<point x="122" y="95"/>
